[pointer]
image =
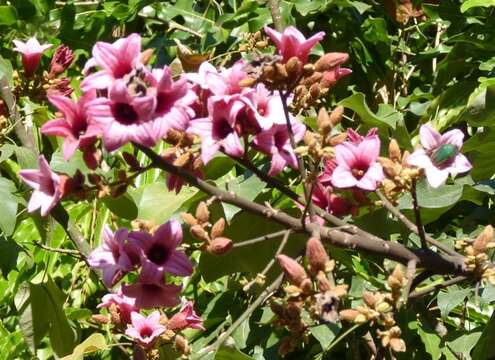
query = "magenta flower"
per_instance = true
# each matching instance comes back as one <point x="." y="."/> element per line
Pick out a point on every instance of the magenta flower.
<point x="115" y="60"/>
<point x="291" y="42"/>
<point x="115" y="257"/>
<point x="264" y="109"/>
<point x="173" y="101"/>
<point x="46" y="184"/>
<point x="123" y="304"/>
<point x="145" y="330"/>
<point x="61" y="60"/>
<point x="356" y="138"/>
<point x="218" y="131"/>
<point x="227" y="82"/>
<point x="357" y="165"/>
<point x="31" y="53"/>
<point x="152" y="294"/>
<point x="276" y="142"/>
<point x="324" y="198"/>
<point x="159" y="254"/>
<point x="325" y="178"/>
<point x="185" y="318"/>
<point x="125" y="117"/>
<point x="74" y="127"/>
<point x="440" y="155"/>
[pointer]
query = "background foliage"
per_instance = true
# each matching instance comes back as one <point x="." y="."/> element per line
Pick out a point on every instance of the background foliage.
<point x="429" y="61"/>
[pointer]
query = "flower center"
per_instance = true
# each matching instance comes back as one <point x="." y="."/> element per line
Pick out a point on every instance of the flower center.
<point x="158" y="254"/>
<point x="221" y="129"/>
<point x="163" y="103"/>
<point x="280" y="139"/>
<point x="146" y="331"/>
<point x="444" y="154"/>
<point x="124" y="113"/>
<point x="358" y="170"/>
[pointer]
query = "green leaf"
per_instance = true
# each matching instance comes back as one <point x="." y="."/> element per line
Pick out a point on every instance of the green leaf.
<point x="325" y="333"/>
<point x="246" y="187"/>
<point x="95" y="342"/>
<point x="443" y="196"/>
<point x="229" y="352"/>
<point x="357" y="103"/>
<point x="484" y="349"/>
<point x="476" y="3"/>
<point x="8" y="210"/>
<point x="431" y="341"/>
<point x="464" y="343"/>
<point x="448" y="300"/>
<point x="8" y="15"/>
<point x="9" y="251"/>
<point x="122" y="206"/>
<point x="241" y="334"/>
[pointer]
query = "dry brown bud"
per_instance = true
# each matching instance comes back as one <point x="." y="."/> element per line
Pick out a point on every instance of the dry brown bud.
<point x="397" y="273"/>
<point x="173" y="136"/>
<point x="146" y="56"/>
<point x="309" y="139"/>
<point x="280" y="72"/>
<point x="309" y="69"/>
<point x="219" y="246"/>
<point x="336" y="115"/>
<point x="247" y="82"/>
<point x="198" y="232"/>
<point x="202" y="213"/>
<point x="389" y="167"/>
<point x="330" y="60"/>
<point x="294" y="272"/>
<point x="314" y="91"/>
<point x="481" y="242"/>
<point x="182" y="345"/>
<point x="218" y="228"/>
<point x="183" y="159"/>
<point x="100" y="318"/>
<point x="338" y="139"/>
<point x="323" y="283"/>
<point x="323" y="122"/>
<point x="348" y="314"/>
<point x="397" y="345"/>
<point x="294" y="68"/>
<point x="316" y="254"/>
<point x="369" y="299"/>
<point x="189" y="219"/>
<point x="394" y="151"/>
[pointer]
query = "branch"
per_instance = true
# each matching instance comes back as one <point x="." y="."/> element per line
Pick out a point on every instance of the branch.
<point x="259" y="239"/>
<point x="274" y="7"/>
<point x="348" y="237"/>
<point x="430" y="289"/>
<point x="411" y="226"/>
<point x="417" y="213"/>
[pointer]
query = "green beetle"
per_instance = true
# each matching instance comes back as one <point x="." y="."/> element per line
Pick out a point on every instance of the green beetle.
<point x="444" y="153"/>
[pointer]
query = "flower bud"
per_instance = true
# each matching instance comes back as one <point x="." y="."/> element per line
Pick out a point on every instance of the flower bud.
<point x="369" y="299"/>
<point x="394" y="151"/>
<point x="182" y="345"/>
<point x="61" y="60"/>
<point x="397" y="345"/>
<point x="100" y="318"/>
<point x="183" y="159"/>
<point x="323" y="283"/>
<point x="323" y="122"/>
<point x="280" y="72"/>
<point x="189" y="219"/>
<point x="314" y="91"/>
<point x="132" y="161"/>
<point x="348" y="314"/>
<point x="481" y="242"/>
<point x="308" y="69"/>
<point x="218" y="228"/>
<point x="219" y="246"/>
<point x="383" y="307"/>
<point x="198" y="232"/>
<point x="247" y="82"/>
<point x="330" y="60"/>
<point x="316" y="254"/>
<point x="294" y="68"/>
<point x="202" y="213"/>
<point x="336" y="115"/>
<point x="146" y="56"/>
<point x="294" y="272"/>
<point x="338" y="139"/>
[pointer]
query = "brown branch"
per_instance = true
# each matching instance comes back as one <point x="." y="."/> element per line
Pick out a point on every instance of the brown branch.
<point x="345" y="238"/>
<point x="417" y="213"/>
<point x="274" y="7"/>
<point x="259" y="239"/>
<point x="411" y="226"/>
<point x="430" y="289"/>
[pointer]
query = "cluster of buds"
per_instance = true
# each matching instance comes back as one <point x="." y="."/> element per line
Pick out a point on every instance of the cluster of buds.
<point x="399" y="174"/>
<point x="312" y="291"/>
<point x="211" y="235"/>
<point x="252" y="42"/>
<point x="477" y="259"/>
<point x="181" y="155"/>
<point x="105" y="188"/>
<point x="377" y="308"/>
<point x="320" y="145"/>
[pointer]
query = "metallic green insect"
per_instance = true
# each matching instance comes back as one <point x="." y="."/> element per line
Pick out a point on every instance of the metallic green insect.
<point x="444" y="153"/>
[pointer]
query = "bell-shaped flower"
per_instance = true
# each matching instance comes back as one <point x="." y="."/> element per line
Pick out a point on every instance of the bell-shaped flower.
<point x="125" y="116"/>
<point x="276" y="143"/>
<point x="114" y="257"/>
<point x="31" y="52"/>
<point x="61" y="60"/>
<point x="440" y="155"/>
<point x="357" y="164"/>
<point x="114" y="60"/>
<point x="74" y="126"/>
<point x="264" y="108"/>
<point x="159" y="254"/>
<point x="123" y="305"/>
<point x="185" y="318"/>
<point x="145" y="330"/>
<point x="148" y="294"/>
<point x="46" y="184"/>
<point x="291" y="42"/>
<point x="218" y="130"/>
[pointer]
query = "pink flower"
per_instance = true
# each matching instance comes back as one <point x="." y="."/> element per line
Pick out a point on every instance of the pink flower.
<point x="291" y="42"/>
<point x="115" y="60"/>
<point x="173" y="101"/>
<point x="152" y="294"/>
<point x="31" y="53"/>
<point x="159" y="254"/>
<point x="227" y="82"/>
<point x="264" y="109"/>
<point x="357" y="165"/>
<point x="218" y="131"/>
<point x="74" y="127"/>
<point x="126" y="117"/>
<point x="145" y="330"/>
<point x="324" y="198"/>
<point x="185" y="318"/>
<point x="124" y="305"/>
<point x="440" y="155"/>
<point x="276" y="142"/>
<point x="356" y="139"/>
<point x="46" y="184"/>
<point x="325" y="178"/>
<point x="61" y="60"/>
<point x="115" y="257"/>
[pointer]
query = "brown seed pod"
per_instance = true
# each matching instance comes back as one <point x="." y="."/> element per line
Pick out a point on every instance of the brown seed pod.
<point x="218" y="228"/>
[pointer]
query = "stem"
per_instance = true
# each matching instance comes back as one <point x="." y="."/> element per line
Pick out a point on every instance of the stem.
<point x="430" y="289"/>
<point x="417" y="213"/>
<point x="274" y="7"/>
<point x="259" y="239"/>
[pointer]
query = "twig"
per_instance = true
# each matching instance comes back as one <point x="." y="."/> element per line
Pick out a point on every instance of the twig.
<point x="259" y="239"/>
<point x="417" y="213"/>
<point x="263" y="296"/>
<point x="274" y="7"/>
<point x="58" y="250"/>
<point x="411" y="226"/>
<point x="411" y="270"/>
<point x="425" y="291"/>
<point x="271" y="262"/>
